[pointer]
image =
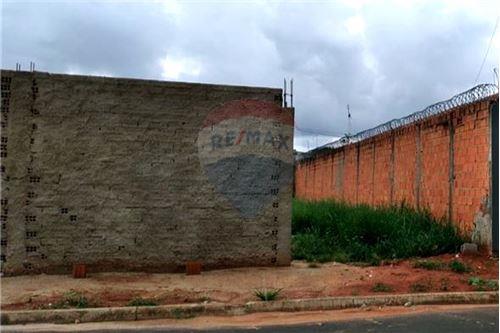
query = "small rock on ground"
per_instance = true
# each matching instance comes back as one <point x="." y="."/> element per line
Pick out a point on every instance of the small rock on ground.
<point x="469" y="249"/>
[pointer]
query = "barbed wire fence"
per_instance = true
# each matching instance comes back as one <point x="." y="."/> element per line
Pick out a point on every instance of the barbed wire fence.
<point x="470" y="96"/>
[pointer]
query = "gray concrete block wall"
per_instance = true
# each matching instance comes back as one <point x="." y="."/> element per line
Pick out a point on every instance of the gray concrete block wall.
<point x="122" y="174"/>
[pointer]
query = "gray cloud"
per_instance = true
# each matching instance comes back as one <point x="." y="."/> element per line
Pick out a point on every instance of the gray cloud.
<point x="384" y="59"/>
<point x="125" y="40"/>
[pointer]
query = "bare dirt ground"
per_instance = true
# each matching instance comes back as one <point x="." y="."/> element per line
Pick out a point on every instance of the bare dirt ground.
<point x="236" y="286"/>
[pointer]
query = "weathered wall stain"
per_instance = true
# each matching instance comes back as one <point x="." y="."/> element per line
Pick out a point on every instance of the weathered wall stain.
<point x="246" y="145"/>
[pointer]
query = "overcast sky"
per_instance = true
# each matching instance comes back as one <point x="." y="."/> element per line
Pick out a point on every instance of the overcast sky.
<point x="385" y="59"/>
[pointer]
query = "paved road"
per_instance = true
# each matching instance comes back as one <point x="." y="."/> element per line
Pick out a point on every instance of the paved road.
<point x="455" y="321"/>
<point x="478" y="321"/>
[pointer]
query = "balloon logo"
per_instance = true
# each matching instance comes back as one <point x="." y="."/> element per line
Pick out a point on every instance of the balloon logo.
<point x="245" y="151"/>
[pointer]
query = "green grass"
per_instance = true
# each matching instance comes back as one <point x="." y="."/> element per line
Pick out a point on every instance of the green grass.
<point x="72" y="299"/>
<point x="431" y="265"/>
<point x="334" y="231"/>
<point x="139" y="301"/>
<point x="382" y="288"/>
<point x="266" y="294"/>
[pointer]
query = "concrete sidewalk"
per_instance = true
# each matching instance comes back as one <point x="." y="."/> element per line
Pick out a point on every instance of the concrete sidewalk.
<point x="414" y="319"/>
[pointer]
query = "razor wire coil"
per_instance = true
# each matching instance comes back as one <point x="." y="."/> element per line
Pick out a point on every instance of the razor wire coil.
<point x="470" y="96"/>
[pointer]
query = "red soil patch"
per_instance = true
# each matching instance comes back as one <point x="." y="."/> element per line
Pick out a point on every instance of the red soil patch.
<point x="402" y="277"/>
<point x="236" y="286"/>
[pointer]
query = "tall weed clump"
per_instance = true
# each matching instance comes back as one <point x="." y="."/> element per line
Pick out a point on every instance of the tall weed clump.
<point x="337" y="231"/>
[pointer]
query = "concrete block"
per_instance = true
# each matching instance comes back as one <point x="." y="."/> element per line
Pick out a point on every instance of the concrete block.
<point x="469" y="249"/>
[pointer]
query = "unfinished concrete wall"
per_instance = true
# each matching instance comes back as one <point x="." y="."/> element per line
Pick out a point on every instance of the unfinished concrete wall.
<point x="125" y="174"/>
<point x="441" y="163"/>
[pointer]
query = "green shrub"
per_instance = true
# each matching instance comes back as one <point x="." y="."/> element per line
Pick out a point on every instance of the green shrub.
<point x="459" y="267"/>
<point x="265" y="294"/>
<point x="481" y="284"/>
<point x="139" y="301"/>
<point x="382" y="288"/>
<point x="335" y="231"/>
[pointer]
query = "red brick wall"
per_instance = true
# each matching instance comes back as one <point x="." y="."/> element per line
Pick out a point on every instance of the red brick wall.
<point x="405" y="160"/>
<point x="434" y="184"/>
<point x="365" y="173"/>
<point x="440" y="164"/>
<point x="349" y="178"/>
<point x="382" y="170"/>
<point x="471" y="150"/>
